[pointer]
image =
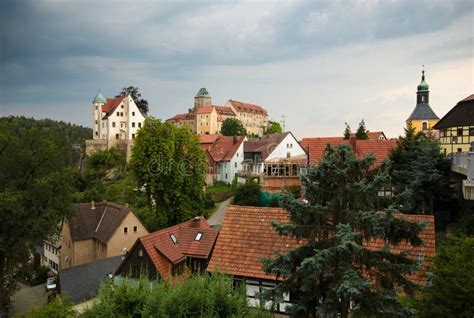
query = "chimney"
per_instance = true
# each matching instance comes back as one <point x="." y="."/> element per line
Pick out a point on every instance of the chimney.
<point x="195" y="222"/>
<point x="92" y="205"/>
<point x="126" y="205"/>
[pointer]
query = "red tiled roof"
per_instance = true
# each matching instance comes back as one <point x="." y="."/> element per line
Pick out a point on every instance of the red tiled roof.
<point x="224" y="147"/>
<point x="162" y="251"/>
<point x="249" y="108"/>
<point x="373" y="135"/>
<point x="205" y="110"/>
<point x="224" y="110"/>
<point x="111" y="104"/>
<point x="206" y="139"/>
<point x="247" y="236"/>
<point x="380" y="148"/>
<point x="179" y="117"/>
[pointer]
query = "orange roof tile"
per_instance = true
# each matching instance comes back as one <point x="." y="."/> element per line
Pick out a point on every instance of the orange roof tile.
<point x="162" y="251"/>
<point x="247" y="236"/>
<point x="315" y="147"/>
<point x="224" y="148"/>
<point x="249" y="108"/>
<point x="111" y="104"/>
<point x="206" y="139"/>
<point x="380" y="148"/>
<point x="184" y="116"/>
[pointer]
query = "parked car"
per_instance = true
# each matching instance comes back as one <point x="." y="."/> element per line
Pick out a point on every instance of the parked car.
<point x="51" y="284"/>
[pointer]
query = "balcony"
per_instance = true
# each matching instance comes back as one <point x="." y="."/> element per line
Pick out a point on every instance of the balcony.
<point x="463" y="163"/>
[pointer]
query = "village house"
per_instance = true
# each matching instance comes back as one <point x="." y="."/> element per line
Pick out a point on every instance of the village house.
<point x="50" y="255"/>
<point x="277" y="159"/>
<point x="206" y="118"/>
<point x="456" y="128"/>
<point x="423" y="118"/>
<point x="97" y="231"/>
<point x="169" y="251"/>
<point x="247" y="236"/>
<point x="224" y="156"/>
<point x="115" y="124"/>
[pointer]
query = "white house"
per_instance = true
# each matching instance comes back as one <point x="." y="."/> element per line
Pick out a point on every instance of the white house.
<point x="115" y="123"/>
<point x="50" y="255"/>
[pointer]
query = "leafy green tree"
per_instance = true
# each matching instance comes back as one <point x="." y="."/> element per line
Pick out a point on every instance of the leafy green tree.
<point x="198" y="296"/>
<point x="248" y="193"/>
<point x="333" y="267"/>
<point x="274" y="127"/>
<point x="362" y="132"/>
<point x="141" y="103"/>
<point x="347" y="132"/>
<point x="35" y="194"/>
<point x="451" y="283"/>
<point x="58" y="308"/>
<point x="168" y="163"/>
<point x="419" y="173"/>
<point x="233" y="127"/>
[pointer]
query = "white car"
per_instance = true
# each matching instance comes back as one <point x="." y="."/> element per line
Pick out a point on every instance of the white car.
<point x="51" y="284"/>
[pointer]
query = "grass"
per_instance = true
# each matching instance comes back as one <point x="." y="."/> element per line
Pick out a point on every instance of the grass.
<point x="219" y="187"/>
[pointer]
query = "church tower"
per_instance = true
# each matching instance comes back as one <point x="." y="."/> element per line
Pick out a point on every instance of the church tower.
<point x="97" y="104"/>
<point x="423" y="118"/>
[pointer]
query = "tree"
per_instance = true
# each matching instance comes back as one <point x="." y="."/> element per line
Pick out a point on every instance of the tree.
<point x="418" y="172"/>
<point x="141" y="103"/>
<point x="233" y="127"/>
<point x="248" y="193"/>
<point x="274" y="127"/>
<point x="58" y="308"/>
<point x="451" y="284"/>
<point x="347" y="132"/>
<point x="333" y="267"/>
<point x="362" y="132"/>
<point x="35" y="193"/>
<point x="168" y="162"/>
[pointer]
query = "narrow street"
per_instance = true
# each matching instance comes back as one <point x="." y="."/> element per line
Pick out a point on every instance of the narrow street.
<point x="28" y="297"/>
<point x="217" y="217"/>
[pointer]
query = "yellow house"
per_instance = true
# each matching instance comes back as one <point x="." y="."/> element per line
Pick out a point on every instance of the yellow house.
<point x="456" y="128"/>
<point x="423" y="118"/>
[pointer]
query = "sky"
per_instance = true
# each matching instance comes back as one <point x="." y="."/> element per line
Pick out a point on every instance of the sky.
<point x="318" y="63"/>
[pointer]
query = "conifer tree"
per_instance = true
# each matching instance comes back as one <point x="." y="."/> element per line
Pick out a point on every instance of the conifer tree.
<point x="419" y="172"/>
<point x="347" y="132"/>
<point x="362" y="132"/>
<point x="333" y="270"/>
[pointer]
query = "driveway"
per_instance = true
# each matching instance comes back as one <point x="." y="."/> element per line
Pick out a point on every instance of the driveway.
<point x="217" y="217"/>
<point x="28" y="297"/>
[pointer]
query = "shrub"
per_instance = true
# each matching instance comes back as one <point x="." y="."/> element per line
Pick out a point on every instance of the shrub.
<point x="58" y="308"/>
<point x="248" y="193"/>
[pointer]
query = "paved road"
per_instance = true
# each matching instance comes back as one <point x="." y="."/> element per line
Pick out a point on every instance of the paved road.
<point x="218" y="215"/>
<point x="28" y="297"/>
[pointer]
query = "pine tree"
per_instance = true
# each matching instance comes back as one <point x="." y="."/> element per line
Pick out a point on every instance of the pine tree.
<point x="333" y="269"/>
<point x="347" y="132"/>
<point x="419" y="172"/>
<point x="362" y="132"/>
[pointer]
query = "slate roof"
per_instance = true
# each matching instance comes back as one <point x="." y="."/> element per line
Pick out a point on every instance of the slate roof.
<point x="247" y="236"/>
<point x="422" y="111"/>
<point x="460" y="115"/>
<point x="99" y="223"/>
<point x="266" y="144"/>
<point x="247" y="107"/>
<point x="159" y="244"/>
<point x="82" y="282"/>
<point x="361" y="148"/>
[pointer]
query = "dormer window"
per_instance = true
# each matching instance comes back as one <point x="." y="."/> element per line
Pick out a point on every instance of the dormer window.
<point x="173" y="238"/>
<point x="198" y="236"/>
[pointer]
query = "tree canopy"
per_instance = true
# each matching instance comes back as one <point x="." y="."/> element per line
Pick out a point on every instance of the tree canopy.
<point x="347" y="132"/>
<point x="168" y="163"/>
<point x="141" y="103"/>
<point x="274" y="127"/>
<point x="418" y="172"/>
<point x="334" y="269"/>
<point x="36" y="187"/>
<point x="233" y="127"/>
<point x="362" y="132"/>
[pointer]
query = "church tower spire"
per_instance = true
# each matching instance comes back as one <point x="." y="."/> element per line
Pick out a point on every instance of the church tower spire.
<point x="423" y="93"/>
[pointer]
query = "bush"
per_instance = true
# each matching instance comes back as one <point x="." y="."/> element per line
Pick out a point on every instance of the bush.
<point x="208" y="201"/>
<point x="248" y="193"/>
<point x="199" y="296"/>
<point x="58" y="308"/>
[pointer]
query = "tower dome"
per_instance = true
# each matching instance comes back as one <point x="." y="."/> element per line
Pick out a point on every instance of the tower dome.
<point x="99" y="98"/>
<point x="423" y="86"/>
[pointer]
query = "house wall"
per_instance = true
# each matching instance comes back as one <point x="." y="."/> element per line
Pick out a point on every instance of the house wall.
<point x="135" y="118"/>
<point x="418" y="124"/>
<point x="83" y="252"/>
<point x="51" y="256"/>
<point x="120" y="241"/>
<point x="67" y="247"/>
<point x="456" y="139"/>
<point x="134" y="264"/>
<point x="288" y="145"/>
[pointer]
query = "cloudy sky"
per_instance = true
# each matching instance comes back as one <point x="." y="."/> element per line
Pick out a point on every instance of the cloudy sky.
<point x="319" y="63"/>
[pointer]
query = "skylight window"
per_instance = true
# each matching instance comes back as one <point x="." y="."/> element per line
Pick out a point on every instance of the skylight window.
<point x="198" y="236"/>
<point x="173" y="238"/>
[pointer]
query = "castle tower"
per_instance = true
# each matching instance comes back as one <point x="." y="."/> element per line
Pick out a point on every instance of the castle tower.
<point x="97" y="104"/>
<point x="202" y="99"/>
<point x="423" y="118"/>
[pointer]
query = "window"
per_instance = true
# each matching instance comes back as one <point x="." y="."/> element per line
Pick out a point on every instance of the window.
<point x="235" y="164"/>
<point x="118" y="114"/>
<point x="96" y="122"/>
<point x="133" y="136"/>
<point x="226" y="175"/>
<point x="139" y="125"/>
<point x="140" y="253"/>
<point x="133" y="113"/>
<point x="198" y="236"/>
<point x="113" y="124"/>
<point x="133" y="124"/>
<point x="116" y="136"/>
<point x="125" y="230"/>
<point x="97" y="133"/>
<point x="288" y="154"/>
<point x="121" y="106"/>
<point x="135" y="229"/>
<point x="471" y="131"/>
<point x="459" y="132"/>
<point x="96" y="107"/>
<point x="173" y="238"/>
<point x="425" y="125"/>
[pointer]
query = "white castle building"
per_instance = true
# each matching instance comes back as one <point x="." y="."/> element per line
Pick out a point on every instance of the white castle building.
<point x="115" y="123"/>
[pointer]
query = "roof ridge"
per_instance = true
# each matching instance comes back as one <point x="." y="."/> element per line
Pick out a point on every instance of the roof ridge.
<point x="101" y="218"/>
